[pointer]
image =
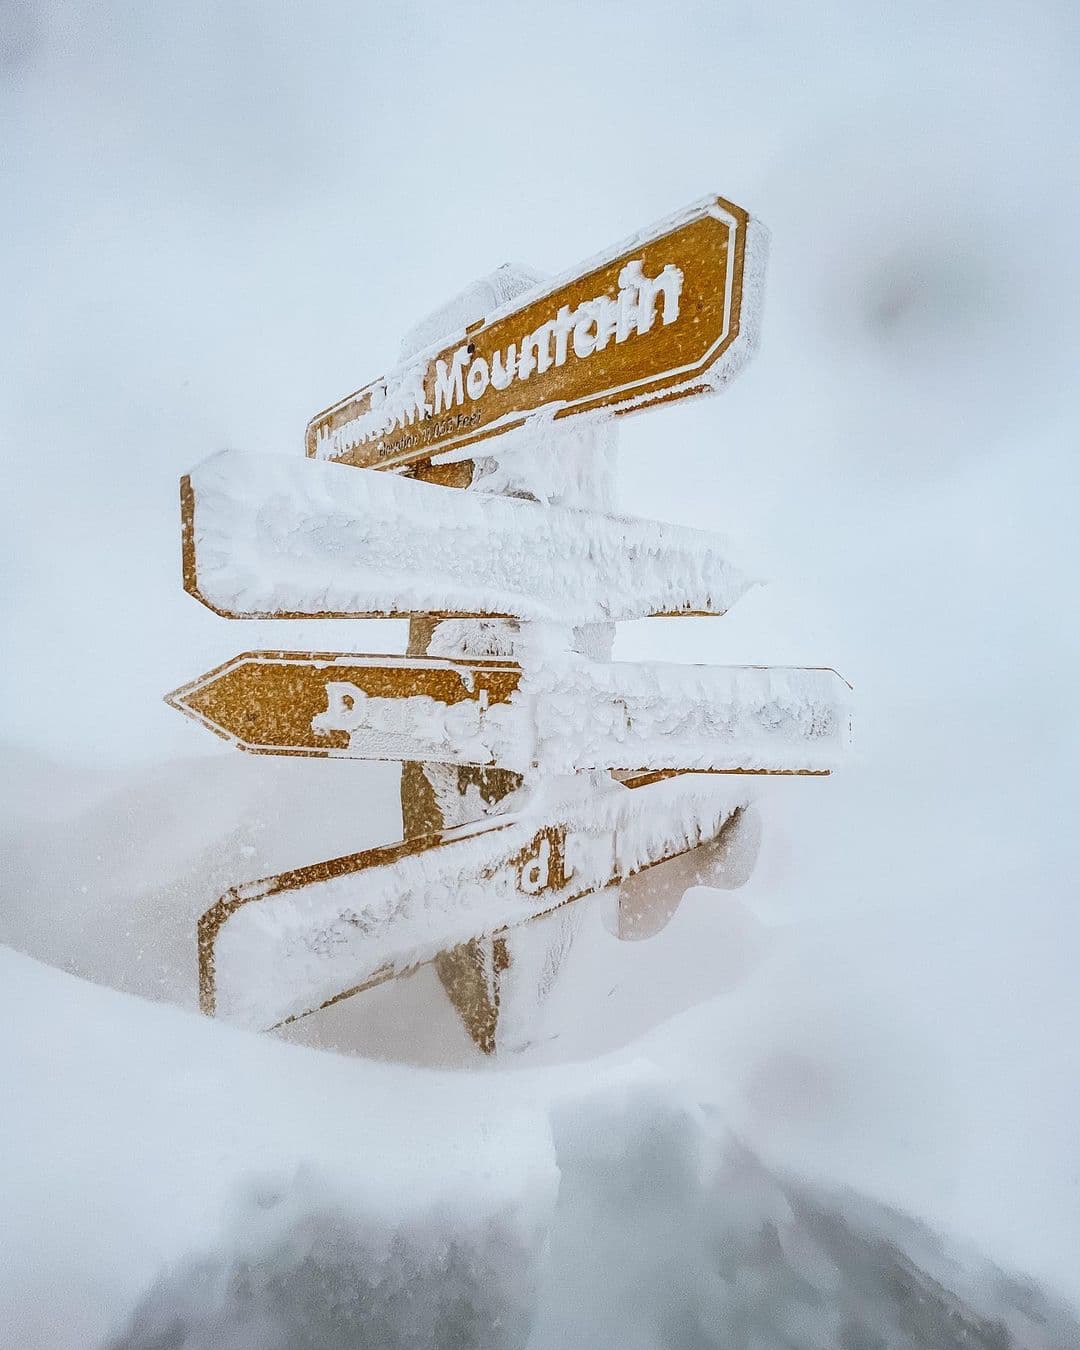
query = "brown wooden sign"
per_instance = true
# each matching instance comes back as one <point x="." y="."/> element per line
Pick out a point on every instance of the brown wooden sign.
<point x="274" y="950"/>
<point x="269" y="536"/>
<point x="315" y="703"/>
<point x="667" y="314"/>
<point x="657" y="717"/>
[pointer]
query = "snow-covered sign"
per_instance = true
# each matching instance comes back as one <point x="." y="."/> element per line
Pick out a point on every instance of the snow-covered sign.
<point x="273" y="950"/>
<point x="534" y="769"/>
<point x="265" y="536"/>
<point x="559" y="716"/>
<point x="671" y="312"/>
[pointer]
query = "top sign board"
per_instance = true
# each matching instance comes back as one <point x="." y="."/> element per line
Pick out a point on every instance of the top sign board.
<point x="669" y="313"/>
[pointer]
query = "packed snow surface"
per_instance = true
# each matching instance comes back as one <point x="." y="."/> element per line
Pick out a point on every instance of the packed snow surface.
<point x="274" y="535"/>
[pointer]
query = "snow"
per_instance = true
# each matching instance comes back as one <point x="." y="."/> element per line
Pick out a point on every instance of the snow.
<point x="291" y="536"/>
<point x="238" y="1192"/>
<point x="225" y="1148"/>
<point x="521" y="464"/>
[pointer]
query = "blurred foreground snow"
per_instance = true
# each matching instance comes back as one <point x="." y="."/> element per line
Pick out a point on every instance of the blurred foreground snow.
<point x="237" y="1193"/>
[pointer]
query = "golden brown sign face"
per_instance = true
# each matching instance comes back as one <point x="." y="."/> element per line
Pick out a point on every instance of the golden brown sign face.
<point x="491" y="713"/>
<point x="666" y="315"/>
<point x="316" y="703"/>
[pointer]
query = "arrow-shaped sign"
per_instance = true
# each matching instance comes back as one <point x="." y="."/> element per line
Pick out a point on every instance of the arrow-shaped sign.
<point x="265" y="536"/>
<point x="273" y="950"/>
<point x="566" y="715"/>
<point x="668" y="313"/>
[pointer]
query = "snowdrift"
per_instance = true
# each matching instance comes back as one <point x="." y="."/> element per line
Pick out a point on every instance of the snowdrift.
<point x="236" y="1192"/>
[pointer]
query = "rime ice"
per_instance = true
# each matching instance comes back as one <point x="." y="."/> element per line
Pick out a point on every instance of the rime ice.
<point x="274" y="536"/>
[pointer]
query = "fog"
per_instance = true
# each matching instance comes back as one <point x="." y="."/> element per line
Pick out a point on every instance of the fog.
<point x="219" y="219"/>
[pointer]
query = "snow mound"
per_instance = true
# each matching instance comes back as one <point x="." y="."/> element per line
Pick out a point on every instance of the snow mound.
<point x="662" y="1236"/>
<point x="302" y="1265"/>
<point x="237" y="1193"/>
<point x="668" y="1234"/>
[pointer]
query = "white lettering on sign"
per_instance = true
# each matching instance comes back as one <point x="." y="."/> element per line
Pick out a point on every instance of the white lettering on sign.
<point x="536" y="871"/>
<point x="467" y="377"/>
<point x="346" y="708"/>
<point x="447" y="394"/>
<point x="414" y="725"/>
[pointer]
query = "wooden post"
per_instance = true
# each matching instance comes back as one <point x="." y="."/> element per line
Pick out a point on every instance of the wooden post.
<point x="559" y="465"/>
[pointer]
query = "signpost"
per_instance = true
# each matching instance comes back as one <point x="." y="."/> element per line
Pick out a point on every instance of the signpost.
<point x="535" y="770"/>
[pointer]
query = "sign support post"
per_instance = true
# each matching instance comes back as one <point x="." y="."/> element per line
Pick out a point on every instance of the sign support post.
<point x="479" y="976"/>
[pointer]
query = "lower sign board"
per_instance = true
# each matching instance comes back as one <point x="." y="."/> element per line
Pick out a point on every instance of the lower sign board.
<point x="265" y="536"/>
<point x="671" y="312"/>
<point x="567" y="714"/>
<point x="274" y="950"/>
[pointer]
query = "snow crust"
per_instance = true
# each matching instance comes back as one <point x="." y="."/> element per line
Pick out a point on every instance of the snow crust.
<point x="656" y="716"/>
<point x="284" y="954"/>
<point x="571" y="463"/>
<point x="277" y="535"/>
<point x="569" y="713"/>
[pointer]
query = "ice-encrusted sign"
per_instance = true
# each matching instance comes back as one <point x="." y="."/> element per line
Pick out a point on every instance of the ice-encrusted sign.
<point x="535" y="770"/>
<point x="671" y="312"/>
<point x="273" y="950"/>
<point x="265" y="536"/>
<point x="559" y="718"/>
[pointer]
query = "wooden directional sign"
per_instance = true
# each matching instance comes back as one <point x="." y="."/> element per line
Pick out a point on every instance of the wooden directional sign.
<point x="669" y="313"/>
<point x="274" y="950"/>
<point x="567" y="715"/>
<point x="314" y="703"/>
<point x="266" y="536"/>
